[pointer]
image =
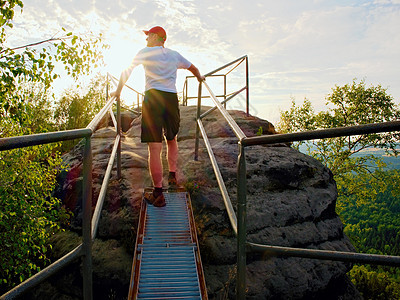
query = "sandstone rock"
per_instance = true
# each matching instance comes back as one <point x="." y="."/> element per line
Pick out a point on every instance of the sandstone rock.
<point x="127" y="117"/>
<point x="290" y="202"/>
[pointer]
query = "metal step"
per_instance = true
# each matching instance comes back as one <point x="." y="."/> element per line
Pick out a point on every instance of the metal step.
<point x="167" y="262"/>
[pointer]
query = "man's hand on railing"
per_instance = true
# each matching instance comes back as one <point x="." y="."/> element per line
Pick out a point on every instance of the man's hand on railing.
<point x="115" y="94"/>
<point x="196" y="73"/>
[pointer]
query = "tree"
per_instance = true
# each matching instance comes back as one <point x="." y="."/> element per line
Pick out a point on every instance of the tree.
<point x="348" y="105"/>
<point x="29" y="214"/>
<point x="35" y="62"/>
<point x="76" y="109"/>
<point x="367" y="195"/>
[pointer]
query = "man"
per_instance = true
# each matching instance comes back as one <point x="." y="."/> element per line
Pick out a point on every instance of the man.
<point x="160" y="108"/>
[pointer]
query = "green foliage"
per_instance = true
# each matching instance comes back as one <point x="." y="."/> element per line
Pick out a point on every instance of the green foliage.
<point x="76" y="109"/>
<point x="348" y="105"/>
<point x="374" y="225"/>
<point x="36" y="110"/>
<point x="375" y="283"/>
<point x="35" y="62"/>
<point x="7" y="14"/>
<point x="298" y="118"/>
<point x="368" y="197"/>
<point x="28" y="212"/>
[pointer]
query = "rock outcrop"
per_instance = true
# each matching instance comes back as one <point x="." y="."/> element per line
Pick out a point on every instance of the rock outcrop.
<point x="290" y="202"/>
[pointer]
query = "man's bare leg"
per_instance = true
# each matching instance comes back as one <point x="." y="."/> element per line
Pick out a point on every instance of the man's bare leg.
<point x="172" y="157"/>
<point x="172" y="154"/>
<point x="155" y="164"/>
<point x="155" y="167"/>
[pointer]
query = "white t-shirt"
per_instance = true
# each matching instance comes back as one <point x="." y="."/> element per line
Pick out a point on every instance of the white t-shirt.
<point x="160" y="66"/>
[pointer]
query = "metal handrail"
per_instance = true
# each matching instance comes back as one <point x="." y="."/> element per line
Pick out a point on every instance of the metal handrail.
<point x="115" y="81"/>
<point x="223" y="102"/>
<point x="227" y="97"/>
<point x="231" y="122"/>
<point x="14" y="142"/>
<point x="103" y="189"/>
<point x="44" y="274"/>
<point x="353" y="257"/>
<point x="186" y="84"/>
<point x="227" y="65"/>
<point x="99" y="116"/>
<point x="84" y="249"/>
<point x="138" y="94"/>
<point x="218" y="105"/>
<point x="238" y="222"/>
<point x="89" y="224"/>
<point x="220" y="180"/>
<point x="323" y="133"/>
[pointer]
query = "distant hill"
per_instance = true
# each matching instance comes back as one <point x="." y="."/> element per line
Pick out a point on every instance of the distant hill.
<point x="391" y="161"/>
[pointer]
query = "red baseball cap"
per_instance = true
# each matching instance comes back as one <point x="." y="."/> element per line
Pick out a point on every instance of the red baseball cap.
<point x="158" y="30"/>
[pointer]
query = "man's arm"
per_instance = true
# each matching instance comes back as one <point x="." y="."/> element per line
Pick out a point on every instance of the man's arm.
<point x="196" y="73"/>
<point x="122" y="80"/>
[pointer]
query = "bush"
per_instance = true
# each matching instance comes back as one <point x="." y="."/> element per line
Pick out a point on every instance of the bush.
<point x="29" y="215"/>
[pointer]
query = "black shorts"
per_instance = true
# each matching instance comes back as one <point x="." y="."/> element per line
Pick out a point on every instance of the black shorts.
<point x="160" y="114"/>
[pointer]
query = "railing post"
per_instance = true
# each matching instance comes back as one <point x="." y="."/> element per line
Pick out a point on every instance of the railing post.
<point x="107" y="88"/>
<point x="86" y="222"/>
<point x="196" y="146"/>
<point x="187" y="91"/>
<point x="247" y="86"/>
<point x="241" y="217"/>
<point x="224" y="91"/>
<point x="119" y="131"/>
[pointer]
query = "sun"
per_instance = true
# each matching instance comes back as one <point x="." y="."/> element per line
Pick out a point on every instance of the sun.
<point x="123" y="48"/>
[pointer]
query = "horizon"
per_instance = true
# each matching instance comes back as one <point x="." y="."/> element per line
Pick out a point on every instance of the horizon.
<point x="296" y="50"/>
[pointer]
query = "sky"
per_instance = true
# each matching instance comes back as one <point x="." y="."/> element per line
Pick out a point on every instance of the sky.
<point x="296" y="49"/>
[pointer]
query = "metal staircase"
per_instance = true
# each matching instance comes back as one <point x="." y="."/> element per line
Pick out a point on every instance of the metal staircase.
<point x="167" y="262"/>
